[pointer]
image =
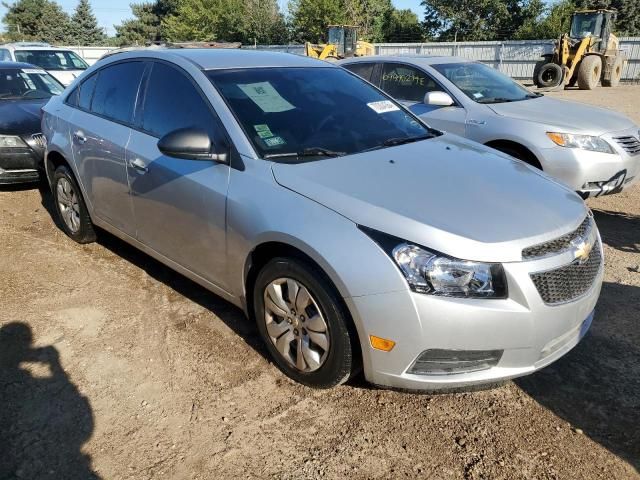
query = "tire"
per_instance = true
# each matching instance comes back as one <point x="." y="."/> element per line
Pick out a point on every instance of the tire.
<point x="313" y="322"/>
<point x="539" y="64"/>
<point x="549" y="75"/>
<point x="589" y="72"/>
<point x="72" y="211"/>
<point x="616" y="73"/>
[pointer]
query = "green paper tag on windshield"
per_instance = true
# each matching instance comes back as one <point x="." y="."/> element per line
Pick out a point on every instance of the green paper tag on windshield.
<point x="263" y="131"/>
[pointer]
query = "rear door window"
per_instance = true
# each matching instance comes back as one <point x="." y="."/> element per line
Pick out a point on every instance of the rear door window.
<point x="5" y="55"/>
<point x="86" y="92"/>
<point x="116" y="91"/>
<point x="172" y="101"/>
<point x="404" y="82"/>
<point x="364" y="70"/>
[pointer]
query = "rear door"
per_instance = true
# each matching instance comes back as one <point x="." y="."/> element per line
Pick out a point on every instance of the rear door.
<point x="409" y="85"/>
<point x="100" y="133"/>
<point x="179" y="204"/>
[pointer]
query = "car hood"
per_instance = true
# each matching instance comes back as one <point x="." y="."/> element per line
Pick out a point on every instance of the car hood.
<point x="20" y="117"/>
<point x="446" y="193"/>
<point x="572" y="117"/>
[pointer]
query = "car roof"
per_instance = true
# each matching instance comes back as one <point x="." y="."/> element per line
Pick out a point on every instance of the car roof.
<point x="17" y="65"/>
<point x="223" y="58"/>
<point x="419" y="60"/>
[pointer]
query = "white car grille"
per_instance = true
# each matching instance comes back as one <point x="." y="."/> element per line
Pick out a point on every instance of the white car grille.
<point x="629" y="144"/>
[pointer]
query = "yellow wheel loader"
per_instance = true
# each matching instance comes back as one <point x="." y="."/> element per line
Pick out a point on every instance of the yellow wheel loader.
<point x="343" y="43"/>
<point x="590" y="53"/>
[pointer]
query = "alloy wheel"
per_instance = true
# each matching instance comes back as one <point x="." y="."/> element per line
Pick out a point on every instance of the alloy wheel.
<point x="295" y="324"/>
<point x="68" y="204"/>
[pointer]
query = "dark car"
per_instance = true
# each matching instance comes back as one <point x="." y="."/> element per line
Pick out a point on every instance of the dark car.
<point x="24" y="89"/>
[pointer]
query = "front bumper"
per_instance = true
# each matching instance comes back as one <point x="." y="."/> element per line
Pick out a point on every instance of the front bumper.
<point x="593" y="174"/>
<point x="20" y="165"/>
<point x="531" y="333"/>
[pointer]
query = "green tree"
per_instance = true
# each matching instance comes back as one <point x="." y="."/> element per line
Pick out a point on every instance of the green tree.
<point x="402" y="26"/>
<point x="39" y="20"/>
<point x="147" y="24"/>
<point x="468" y="20"/>
<point x="309" y="18"/>
<point x="554" y="22"/>
<point x="245" y="21"/>
<point x="84" y="26"/>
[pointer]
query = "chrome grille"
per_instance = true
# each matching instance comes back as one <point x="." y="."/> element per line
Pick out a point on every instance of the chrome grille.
<point x="39" y="140"/>
<point x="629" y="144"/>
<point x="558" y="245"/>
<point x="569" y="282"/>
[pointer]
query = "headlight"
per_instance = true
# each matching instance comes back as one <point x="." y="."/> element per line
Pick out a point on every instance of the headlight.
<point x="427" y="272"/>
<point x="584" y="142"/>
<point x="8" y="141"/>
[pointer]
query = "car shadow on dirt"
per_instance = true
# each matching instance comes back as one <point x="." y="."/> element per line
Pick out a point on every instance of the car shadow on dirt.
<point x="596" y="386"/>
<point x="44" y="420"/>
<point x="619" y="230"/>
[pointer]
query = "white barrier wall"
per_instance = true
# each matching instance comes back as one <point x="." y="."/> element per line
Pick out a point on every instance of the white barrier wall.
<point x="515" y="58"/>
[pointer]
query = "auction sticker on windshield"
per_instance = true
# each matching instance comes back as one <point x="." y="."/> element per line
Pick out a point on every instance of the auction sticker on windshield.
<point x="263" y="131"/>
<point x="383" y="106"/>
<point x="266" y="97"/>
<point x="33" y="70"/>
<point x="274" y="141"/>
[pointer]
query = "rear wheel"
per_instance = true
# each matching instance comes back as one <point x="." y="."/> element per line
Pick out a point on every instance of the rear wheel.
<point x="549" y="75"/>
<point x="303" y="324"/>
<point x="616" y="73"/>
<point x="70" y="206"/>
<point x="589" y="72"/>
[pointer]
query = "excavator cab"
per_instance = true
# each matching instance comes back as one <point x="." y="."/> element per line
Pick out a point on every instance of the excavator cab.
<point x="593" y="23"/>
<point x="345" y="38"/>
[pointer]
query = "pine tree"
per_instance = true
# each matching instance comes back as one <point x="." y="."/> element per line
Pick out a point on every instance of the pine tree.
<point x="41" y="20"/>
<point x="84" y="25"/>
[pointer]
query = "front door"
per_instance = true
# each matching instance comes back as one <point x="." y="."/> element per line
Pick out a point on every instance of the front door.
<point x="179" y="204"/>
<point x="100" y="133"/>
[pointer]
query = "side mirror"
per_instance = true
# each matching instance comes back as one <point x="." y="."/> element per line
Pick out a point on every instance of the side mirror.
<point x="442" y="99"/>
<point x="190" y="144"/>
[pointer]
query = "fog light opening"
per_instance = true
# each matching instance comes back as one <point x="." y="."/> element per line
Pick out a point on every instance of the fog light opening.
<point x="380" y="343"/>
<point x="452" y="362"/>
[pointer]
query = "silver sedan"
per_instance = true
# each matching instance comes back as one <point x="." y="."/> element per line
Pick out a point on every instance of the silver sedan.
<point x="592" y="150"/>
<point x="353" y="234"/>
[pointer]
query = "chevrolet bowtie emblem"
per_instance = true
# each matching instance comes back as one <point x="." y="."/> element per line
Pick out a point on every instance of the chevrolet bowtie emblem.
<point x="582" y="249"/>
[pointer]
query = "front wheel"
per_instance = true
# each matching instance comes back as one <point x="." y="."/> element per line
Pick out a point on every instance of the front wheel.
<point x="549" y="75"/>
<point x="303" y="324"/>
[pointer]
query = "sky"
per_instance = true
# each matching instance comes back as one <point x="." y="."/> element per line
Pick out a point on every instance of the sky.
<point x="110" y="12"/>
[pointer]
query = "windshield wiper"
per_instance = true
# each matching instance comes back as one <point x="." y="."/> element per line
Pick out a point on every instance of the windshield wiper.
<point x="307" y="152"/>
<point x="390" y="142"/>
<point x="499" y="100"/>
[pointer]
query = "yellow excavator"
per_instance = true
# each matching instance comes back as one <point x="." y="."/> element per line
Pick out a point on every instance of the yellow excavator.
<point x="342" y="43"/>
<point x="590" y="53"/>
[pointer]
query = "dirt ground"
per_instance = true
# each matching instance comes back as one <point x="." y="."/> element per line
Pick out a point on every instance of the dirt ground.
<point x="112" y="366"/>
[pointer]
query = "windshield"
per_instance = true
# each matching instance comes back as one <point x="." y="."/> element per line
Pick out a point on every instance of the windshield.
<point x="51" y="59"/>
<point x="291" y="114"/>
<point x="483" y="84"/>
<point x="27" y="83"/>
<point x="585" y="24"/>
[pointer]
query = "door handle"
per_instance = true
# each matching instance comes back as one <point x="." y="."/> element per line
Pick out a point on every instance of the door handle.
<point x="476" y="122"/>
<point x="79" y="137"/>
<point x="138" y="165"/>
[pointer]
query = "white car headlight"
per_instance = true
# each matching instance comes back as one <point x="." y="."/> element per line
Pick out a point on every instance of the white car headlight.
<point x="584" y="142"/>
<point x="9" y="141"/>
<point x="428" y="272"/>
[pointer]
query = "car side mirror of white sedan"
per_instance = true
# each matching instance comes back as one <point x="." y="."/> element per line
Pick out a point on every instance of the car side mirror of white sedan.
<point x="442" y="99"/>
